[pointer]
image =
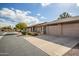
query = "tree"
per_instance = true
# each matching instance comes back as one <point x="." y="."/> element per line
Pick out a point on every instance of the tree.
<point x="64" y="15"/>
<point x="21" y="26"/>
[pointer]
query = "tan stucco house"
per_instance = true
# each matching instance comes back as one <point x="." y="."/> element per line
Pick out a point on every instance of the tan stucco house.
<point x="61" y="27"/>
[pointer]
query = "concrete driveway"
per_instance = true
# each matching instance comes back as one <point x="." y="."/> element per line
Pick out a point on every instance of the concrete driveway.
<point x="53" y="45"/>
<point x="43" y="45"/>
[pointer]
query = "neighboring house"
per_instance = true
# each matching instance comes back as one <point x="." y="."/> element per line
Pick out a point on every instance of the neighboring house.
<point x="62" y="27"/>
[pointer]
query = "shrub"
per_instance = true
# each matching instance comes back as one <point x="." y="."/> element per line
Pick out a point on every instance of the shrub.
<point x="33" y="33"/>
<point x="23" y="32"/>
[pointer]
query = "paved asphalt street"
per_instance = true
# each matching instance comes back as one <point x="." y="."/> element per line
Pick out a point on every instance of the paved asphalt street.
<point x="13" y="45"/>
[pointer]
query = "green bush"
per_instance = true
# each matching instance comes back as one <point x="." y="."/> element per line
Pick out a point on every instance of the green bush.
<point x="33" y="33"/>
<point x="23" y="33"/>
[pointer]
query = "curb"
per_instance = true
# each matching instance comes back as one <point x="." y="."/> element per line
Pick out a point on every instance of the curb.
<point x="2" y="35"/>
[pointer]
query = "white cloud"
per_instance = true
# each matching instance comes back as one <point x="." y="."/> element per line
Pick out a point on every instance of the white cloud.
<point x="30" y="20"/>
<point x="38" y="14"/>
<point x="29" y="12"/>
<point x="18" y="15"/>
<point x="45" y="4"/>
<point x="42" y="17"/>
<point x="5" y="12"/>
<point x="2" y="20"/>
<point x="77" y="4"/>
<point x="73" y="13"/>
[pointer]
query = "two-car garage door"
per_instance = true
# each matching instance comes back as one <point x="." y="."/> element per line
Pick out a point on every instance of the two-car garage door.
<point x="68" y="29"/>
<point x="71" y="29"/>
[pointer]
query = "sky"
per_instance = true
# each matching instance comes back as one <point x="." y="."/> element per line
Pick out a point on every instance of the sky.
<point x="34" y="13"/>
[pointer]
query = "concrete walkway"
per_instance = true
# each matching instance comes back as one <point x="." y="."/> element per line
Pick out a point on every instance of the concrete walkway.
<point x="53" y="46"/>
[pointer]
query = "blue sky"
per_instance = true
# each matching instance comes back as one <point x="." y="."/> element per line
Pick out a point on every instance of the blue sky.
<point x="33" y="13"/>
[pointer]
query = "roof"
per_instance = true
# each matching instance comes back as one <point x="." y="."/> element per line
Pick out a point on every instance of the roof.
<point x="40" y="24"/>
<point x="64" y="20"/>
